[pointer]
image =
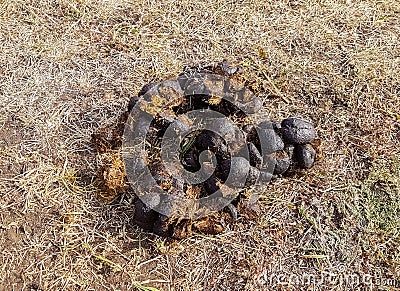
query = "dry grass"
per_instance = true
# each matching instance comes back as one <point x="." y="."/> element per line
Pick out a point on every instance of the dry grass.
<point x="68" y="67"/>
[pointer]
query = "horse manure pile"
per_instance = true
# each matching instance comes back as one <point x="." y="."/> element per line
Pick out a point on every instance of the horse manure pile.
<point x="196" y="150"/>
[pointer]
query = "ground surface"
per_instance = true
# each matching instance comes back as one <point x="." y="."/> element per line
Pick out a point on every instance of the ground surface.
<point x="70" y="67"/>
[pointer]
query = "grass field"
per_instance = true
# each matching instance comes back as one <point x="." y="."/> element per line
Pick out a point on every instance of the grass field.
<point x="69" y="67"/>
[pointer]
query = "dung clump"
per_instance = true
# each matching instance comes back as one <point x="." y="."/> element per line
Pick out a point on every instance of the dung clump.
<point x="111" y="177"/>
<point x="297" y="131"/>
<point x="233" y="152"/>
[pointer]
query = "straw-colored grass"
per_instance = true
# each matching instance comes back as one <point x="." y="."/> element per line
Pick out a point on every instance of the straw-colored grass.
<point x="69" y="67"/>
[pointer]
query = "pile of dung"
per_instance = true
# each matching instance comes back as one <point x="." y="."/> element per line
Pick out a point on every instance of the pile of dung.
<point x="196" y="150"/>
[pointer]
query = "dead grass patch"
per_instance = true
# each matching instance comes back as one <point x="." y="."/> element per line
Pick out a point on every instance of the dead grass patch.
<point x="68" y="68"/>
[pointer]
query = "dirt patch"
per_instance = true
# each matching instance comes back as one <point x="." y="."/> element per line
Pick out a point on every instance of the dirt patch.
<point x="11" y="138"/>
